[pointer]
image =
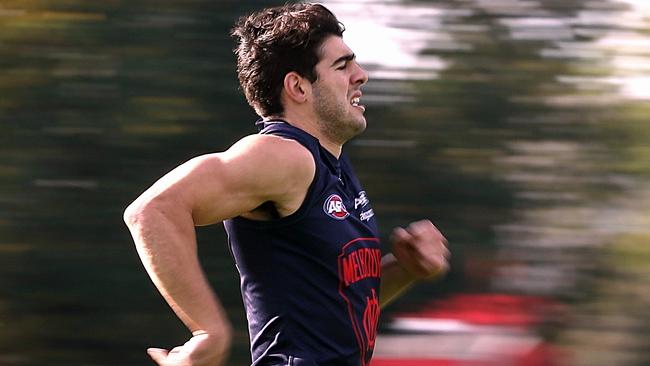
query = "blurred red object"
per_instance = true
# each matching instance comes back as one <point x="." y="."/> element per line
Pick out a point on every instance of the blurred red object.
<point x="503" y="353"/>
<point x="470" y="330"/>
<point x="494" y="309"/>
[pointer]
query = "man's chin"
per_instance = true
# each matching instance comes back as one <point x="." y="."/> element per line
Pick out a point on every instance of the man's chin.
<point x="360" y="126"/>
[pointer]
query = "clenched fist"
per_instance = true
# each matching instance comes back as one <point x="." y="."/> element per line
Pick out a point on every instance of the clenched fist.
<point x="421" y="249"/>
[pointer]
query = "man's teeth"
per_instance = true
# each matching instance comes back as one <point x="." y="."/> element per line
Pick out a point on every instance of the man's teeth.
<point x="355" y="101"/>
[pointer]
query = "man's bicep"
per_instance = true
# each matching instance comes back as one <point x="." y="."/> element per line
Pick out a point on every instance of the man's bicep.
<point x="218" y="188"/>
<point x="257" y="169"/>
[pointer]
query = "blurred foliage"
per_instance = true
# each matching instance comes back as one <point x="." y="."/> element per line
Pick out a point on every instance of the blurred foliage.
<point x="534" y="168"/>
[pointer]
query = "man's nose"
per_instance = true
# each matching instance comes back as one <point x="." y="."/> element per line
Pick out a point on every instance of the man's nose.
<point x="360" y="76"/>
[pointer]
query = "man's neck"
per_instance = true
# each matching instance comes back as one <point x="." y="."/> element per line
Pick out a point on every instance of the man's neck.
<point x="309" y="125"/>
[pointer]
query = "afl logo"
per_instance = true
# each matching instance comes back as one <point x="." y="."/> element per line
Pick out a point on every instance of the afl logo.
<point x="335" y="208"/>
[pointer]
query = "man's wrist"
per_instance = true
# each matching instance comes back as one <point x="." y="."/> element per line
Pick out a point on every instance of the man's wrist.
<point x="391" y="261"/>
<point x="217" y="327"/>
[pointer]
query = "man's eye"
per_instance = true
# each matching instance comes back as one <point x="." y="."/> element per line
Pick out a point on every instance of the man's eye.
<point x="342" y="67"/>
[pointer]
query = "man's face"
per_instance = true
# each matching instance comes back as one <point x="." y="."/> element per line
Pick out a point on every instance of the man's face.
<point x="337" y="91"/>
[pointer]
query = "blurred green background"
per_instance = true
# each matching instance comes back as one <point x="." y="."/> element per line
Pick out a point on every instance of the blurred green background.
<point x="519" y="127"/>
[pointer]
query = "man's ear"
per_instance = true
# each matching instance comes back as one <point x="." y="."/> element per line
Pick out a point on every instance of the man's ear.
<point x="296" y="87"/>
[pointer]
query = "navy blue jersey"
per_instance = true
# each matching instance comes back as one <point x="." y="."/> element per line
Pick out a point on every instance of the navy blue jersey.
<point x="310" y="281"/>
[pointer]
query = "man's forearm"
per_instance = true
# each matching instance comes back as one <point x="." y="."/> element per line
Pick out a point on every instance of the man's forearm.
<point x="166" y="244"/>
<point x="394" y="280"/>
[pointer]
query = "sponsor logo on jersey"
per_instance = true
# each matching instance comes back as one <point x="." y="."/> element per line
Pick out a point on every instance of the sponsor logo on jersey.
<point x="335" y="208"/>
<point x="367" y="215"/>
<point x="361" y="201"/>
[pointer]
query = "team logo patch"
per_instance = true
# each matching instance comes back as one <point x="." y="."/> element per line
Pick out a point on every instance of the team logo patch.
<point x="335" y="208"/>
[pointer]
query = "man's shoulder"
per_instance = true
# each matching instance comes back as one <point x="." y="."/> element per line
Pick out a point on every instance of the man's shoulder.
<point x="270" y="148"/>
<point x="276" y="169"/>
<point x="273" y="156"/>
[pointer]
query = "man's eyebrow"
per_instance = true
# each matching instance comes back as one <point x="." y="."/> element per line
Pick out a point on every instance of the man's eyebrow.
<point x="348" y="57"/>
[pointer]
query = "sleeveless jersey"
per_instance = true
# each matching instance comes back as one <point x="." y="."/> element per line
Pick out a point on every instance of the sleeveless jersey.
<point x="310" y="281"/>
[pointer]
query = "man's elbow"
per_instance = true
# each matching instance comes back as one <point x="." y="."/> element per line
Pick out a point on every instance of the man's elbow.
<point x="157" y="211"/>
<point x="141" y="217"/>
<point x="136" y="213"/>
<point x="133" y="214"/>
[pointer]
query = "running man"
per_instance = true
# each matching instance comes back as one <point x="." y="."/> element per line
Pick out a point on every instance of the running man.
<point x="300" y="226"/>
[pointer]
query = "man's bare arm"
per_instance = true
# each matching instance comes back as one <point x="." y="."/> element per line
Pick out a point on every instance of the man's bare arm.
<point x="206" y="190"/>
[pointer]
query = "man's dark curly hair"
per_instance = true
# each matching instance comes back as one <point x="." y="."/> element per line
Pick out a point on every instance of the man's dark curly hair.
<point x="276" y="41"/>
